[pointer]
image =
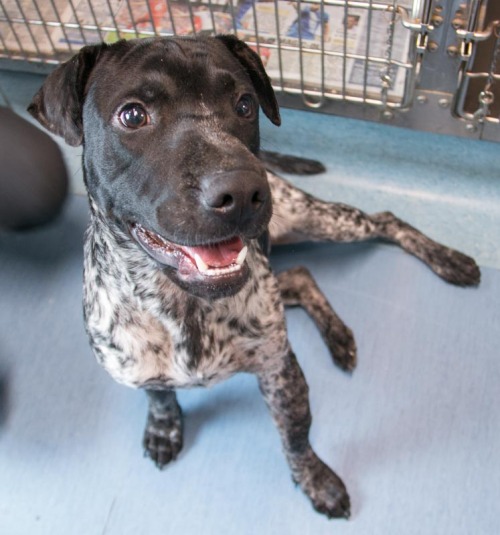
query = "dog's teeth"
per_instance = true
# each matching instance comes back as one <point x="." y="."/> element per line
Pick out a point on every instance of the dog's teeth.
<point x="200" y="264"/>
<point x="241" y="256"/>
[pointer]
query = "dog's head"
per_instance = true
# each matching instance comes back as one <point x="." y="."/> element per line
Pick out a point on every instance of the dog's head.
<point x="170" y="132"/>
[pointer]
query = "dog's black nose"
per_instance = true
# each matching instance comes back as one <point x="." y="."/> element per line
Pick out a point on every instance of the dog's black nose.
<point x="236" y="197"/>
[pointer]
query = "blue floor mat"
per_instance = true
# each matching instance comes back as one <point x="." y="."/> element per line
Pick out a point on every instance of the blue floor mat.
<point x="414" y="432"/>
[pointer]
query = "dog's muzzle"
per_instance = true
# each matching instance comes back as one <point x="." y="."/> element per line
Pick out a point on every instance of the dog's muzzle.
<point x="232" y="209"/>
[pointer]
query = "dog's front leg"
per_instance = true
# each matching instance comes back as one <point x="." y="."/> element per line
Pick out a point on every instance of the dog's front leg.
<point x="298" y="216"/>
<point x="286" y="393"/>
<point x="298" y="288"/>
<point x="163" y="434"/>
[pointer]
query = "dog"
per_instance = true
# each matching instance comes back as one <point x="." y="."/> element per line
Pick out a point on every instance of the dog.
<point x="178" y="290"/>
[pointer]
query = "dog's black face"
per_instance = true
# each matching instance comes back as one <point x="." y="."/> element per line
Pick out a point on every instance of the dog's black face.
<point x="170" y="132"/>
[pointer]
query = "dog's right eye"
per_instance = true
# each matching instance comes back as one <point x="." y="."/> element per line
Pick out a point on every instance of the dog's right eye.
<point x="133" y="116"/>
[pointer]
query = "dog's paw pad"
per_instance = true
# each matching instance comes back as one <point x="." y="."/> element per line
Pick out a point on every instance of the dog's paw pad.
<point x="340" y="507"/>
<point x="162" y="442"/>
<point x="325" y="489"/>
<point x="330" y="498"/>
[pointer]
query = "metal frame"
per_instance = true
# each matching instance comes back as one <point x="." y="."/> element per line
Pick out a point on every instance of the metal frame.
<point x="442" y="43"/>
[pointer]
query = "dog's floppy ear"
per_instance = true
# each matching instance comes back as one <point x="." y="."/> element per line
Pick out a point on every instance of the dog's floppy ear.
<point x="59" y="102"/>
<point x="255" y="69"/>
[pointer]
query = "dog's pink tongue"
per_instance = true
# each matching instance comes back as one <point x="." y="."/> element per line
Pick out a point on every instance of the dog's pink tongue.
<point x="219" y="254"/>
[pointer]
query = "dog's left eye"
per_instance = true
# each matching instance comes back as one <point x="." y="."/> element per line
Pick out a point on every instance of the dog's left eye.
<point x="133" y="116"/>
<point x="245" y="107"/>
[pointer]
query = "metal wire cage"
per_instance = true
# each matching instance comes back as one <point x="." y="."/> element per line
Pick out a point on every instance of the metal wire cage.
<point x="421" y="63"/>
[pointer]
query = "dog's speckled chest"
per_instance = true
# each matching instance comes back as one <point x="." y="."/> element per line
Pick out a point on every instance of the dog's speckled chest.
<point x="145" y="332"/>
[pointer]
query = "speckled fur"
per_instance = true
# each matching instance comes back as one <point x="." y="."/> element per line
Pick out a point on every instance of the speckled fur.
<point x="146" y="330"/>
<point x="140" y="324"/>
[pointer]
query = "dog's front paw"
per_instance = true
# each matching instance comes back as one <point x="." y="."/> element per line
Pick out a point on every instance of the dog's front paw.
<point x="325" y="489"/>
<point x="455" y="267"/>
<point x="162" y="439"/>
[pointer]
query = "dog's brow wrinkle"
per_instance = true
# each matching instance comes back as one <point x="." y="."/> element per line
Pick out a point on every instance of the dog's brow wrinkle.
<point x="198" y="54"/>
<point x="192" y="117"/>
<point x="173" y="44"/>
<point x="149" y="92"/>
<point x="224" y="82"/>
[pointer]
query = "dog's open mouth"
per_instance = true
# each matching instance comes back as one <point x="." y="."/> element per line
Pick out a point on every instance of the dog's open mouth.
<point x="212" y="261"/>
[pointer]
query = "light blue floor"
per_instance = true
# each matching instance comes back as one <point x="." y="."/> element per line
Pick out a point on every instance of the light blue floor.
<point x="415" y="432"/>
<point x="447" y="186"/>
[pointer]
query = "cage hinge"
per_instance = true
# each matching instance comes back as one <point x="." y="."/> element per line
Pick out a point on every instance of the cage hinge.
<point x="422" y="42"/>
<point x="478" y="35"/>
<point x="465" y="49"/>
<point x="418" y="27"/>
<point x="468" y="38"/>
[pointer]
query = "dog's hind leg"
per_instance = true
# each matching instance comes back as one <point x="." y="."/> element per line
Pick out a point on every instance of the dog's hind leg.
<point x="298" y="216"/>
<point x="286" y="393"/>
<point x="163" y="434"/>
<point x="298" y="288"/>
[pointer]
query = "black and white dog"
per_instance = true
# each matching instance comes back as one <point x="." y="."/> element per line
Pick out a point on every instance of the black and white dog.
<point x="178" y="288"/>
